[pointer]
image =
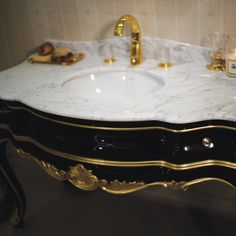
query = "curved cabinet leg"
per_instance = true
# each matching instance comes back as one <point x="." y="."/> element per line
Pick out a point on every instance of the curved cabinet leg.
<point x="12" y="189"/>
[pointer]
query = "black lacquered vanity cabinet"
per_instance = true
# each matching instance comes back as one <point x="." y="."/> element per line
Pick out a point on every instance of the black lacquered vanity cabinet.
<point x="117" y="157"/>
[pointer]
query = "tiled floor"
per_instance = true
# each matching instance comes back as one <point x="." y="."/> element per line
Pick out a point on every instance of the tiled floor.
<point x="55" y="208"/>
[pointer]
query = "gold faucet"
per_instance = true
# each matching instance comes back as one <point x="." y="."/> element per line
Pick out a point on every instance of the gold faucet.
<point x="136" y="48"/>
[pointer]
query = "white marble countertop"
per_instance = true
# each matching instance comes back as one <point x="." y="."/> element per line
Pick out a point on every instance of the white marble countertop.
<point x="191" y="92"/>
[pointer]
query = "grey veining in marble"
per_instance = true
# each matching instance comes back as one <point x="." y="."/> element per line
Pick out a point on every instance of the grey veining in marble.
<point x="191" y="92"/>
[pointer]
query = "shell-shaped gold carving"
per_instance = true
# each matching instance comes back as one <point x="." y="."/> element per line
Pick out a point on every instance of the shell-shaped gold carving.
<point x="82" y="178"/>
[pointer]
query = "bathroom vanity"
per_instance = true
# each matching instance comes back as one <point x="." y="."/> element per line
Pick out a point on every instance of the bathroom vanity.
<point x="120" y="128"/>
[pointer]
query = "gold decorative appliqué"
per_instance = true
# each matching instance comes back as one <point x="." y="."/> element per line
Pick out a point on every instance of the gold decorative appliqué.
<point x="84" y="179"/>
<point x="50" y="169"/>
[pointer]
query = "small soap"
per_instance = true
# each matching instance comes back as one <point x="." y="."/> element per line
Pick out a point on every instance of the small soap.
<point x="58" y="52"/>
<point x="38" y="58"/>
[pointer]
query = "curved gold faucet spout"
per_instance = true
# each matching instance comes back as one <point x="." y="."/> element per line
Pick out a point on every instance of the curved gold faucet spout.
<point x="136" y="48"/>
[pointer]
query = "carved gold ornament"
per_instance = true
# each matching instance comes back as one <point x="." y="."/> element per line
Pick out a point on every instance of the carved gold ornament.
<point x="123" y="187"/>
<point x="50" y="169"/>
<point x="84" y="179"/>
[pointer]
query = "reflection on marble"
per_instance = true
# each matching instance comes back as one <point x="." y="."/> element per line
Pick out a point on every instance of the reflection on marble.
<point x="190" y="92"/>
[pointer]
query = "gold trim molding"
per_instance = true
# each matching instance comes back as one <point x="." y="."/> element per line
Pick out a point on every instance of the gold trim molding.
<point x="90" y="160"/>
<point x="124" y="128"/>
<point x="84" y="179"/>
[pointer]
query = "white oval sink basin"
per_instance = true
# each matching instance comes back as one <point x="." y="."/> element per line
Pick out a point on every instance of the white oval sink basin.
<point x="112" y="83"/>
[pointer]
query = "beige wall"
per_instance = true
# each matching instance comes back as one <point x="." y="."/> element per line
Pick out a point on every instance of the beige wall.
<point x="24" y="24"/>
